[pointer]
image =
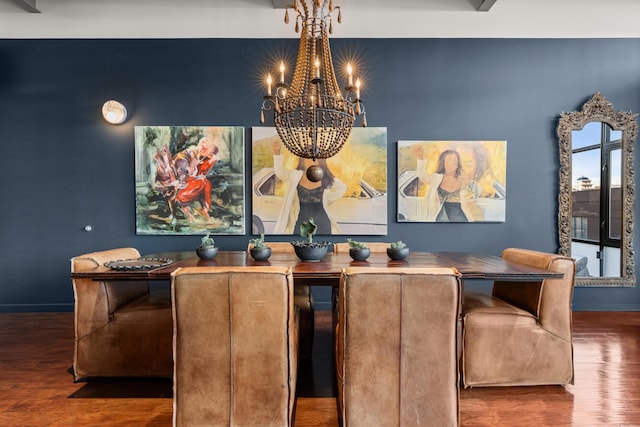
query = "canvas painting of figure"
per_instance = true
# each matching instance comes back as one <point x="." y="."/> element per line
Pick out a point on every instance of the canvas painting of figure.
<point x="452" y="181"/>
<point x="189" y="179"/>
<point x="351" y="197"/>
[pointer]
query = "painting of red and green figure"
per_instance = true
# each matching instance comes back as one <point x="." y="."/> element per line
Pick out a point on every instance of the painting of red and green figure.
<point x="189" y="179"/>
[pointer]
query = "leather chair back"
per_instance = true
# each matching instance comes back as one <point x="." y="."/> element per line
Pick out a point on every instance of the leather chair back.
<point x="548" y="300"/>
<point x="113" y="294"/>
<point x="343" y="247"/>
<point x="282" y="247"/>
<point x="303" y="298"/>
<point x="235" y="360"/>
<point x="396" y="347"/>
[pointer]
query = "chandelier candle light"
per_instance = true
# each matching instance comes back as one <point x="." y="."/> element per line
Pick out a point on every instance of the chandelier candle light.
<point x="312" y="117"/>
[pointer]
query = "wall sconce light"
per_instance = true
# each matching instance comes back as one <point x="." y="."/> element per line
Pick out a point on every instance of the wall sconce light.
<point x="114" y="112"/>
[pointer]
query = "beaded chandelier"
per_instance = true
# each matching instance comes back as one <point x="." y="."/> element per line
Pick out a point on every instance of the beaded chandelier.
<point x="312" y="117"/>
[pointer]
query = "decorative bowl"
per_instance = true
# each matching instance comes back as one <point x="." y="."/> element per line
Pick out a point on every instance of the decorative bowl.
<point x="207" y="253"/>
<point x="260" y="254"/>
<point x="310" y="252"/>
<point x="359" y="254"/>
<point x="398" y="254"/>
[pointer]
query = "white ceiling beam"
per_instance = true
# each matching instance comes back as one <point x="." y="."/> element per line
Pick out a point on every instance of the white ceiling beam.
<point x="281" y="4"/>
<point x="486" y="5"/>
<point x="28" y="5"/>
<point x="365" y="19"/>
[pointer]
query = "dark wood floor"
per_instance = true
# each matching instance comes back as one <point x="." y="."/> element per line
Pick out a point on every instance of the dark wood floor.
<point x="37" y="390"/>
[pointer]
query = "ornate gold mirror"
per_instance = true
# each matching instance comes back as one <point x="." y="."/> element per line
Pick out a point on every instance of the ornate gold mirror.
<point x="596" y="200"/>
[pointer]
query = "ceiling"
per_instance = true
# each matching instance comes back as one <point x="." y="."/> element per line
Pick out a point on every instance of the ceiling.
<point x="480" y="5"/>
<point x="361" y="19"/>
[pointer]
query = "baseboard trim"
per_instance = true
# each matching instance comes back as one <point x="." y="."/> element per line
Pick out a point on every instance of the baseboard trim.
<point x="36" y="308"/>
<point x="322" y="305"/>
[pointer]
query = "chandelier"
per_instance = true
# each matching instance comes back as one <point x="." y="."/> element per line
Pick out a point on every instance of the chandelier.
<point x="312" y="117"/>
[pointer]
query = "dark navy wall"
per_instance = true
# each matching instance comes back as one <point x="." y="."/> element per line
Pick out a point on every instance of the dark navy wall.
<point x="63" y="167"/>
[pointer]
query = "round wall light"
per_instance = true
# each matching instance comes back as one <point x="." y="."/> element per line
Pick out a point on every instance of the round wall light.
<point x="114" y="112"/>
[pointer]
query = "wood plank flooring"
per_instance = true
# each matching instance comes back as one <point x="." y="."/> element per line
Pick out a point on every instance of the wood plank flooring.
<point x="37" y="390"/>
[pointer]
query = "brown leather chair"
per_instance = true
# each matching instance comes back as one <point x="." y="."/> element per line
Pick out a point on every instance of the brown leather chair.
<point x="522" y="333"/>
<point x="235" y="346"/>
<point x="303" y="298"/>
<point x="396" y="347"/>
<point x="121" y="328"/>
<point x="343" y="247"/>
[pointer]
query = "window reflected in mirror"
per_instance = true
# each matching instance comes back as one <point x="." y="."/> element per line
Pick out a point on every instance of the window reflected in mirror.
<point x="596" y="199"/>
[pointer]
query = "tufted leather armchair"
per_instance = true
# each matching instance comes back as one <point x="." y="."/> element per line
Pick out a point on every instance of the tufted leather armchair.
<point x="235" y="346"/>
<point x="396" y="347"/>
<point x="121" y="328"/>
<point x="522" y="333"/>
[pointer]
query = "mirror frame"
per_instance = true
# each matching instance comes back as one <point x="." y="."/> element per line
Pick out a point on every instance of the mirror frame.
<point x="599" y="109"/>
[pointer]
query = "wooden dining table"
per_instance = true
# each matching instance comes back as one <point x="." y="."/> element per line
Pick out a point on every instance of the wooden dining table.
<point x="326" y="272"/>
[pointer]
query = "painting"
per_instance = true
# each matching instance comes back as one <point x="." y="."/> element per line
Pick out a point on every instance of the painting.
<point x="189" y="180"/>
<point x="452" y="181"/>
<point x="351" y="197"/>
